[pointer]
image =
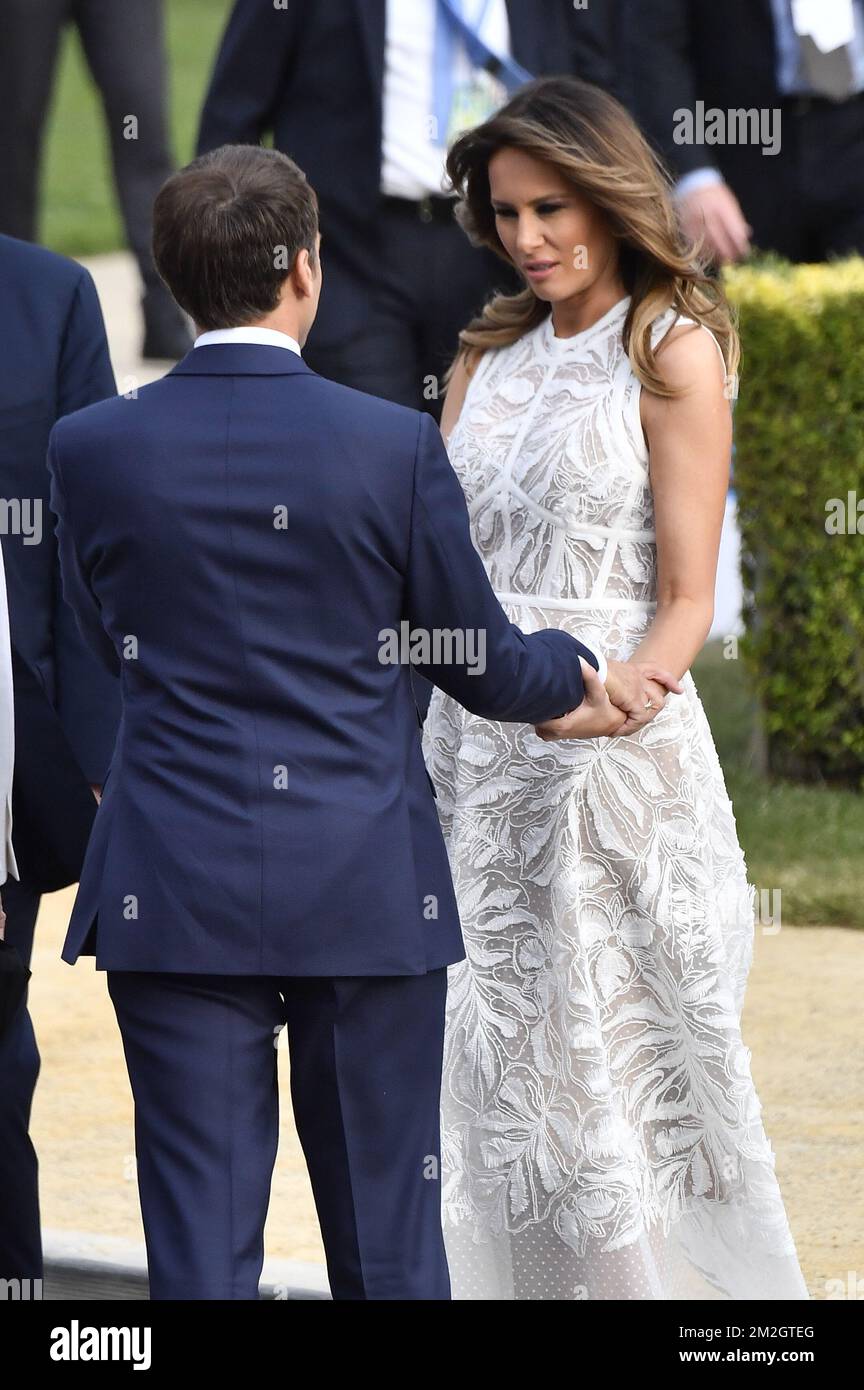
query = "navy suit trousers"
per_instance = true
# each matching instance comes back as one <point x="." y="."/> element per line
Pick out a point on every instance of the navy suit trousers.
<point x="366" y="1058"/>
<point x="20" y="1236"/>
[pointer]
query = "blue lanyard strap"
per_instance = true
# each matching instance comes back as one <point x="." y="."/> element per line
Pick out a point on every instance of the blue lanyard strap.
<point x="502" y="66"/>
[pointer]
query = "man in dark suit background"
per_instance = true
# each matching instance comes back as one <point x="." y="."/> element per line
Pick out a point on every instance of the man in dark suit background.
<point x="124" y="48"/>
<point x="53" y="360"/>
<point x="805" y="201"/>
<point x="354" y="90"/>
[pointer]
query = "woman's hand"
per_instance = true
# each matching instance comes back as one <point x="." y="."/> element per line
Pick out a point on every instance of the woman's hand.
<point x="639" y="688"/>
<point x="596" y="717"/>
<point x="642" y="688"/>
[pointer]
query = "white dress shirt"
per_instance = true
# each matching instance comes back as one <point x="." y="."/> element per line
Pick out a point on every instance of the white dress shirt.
<point x="266" y="337"/>
<point x="269" y="337"/>
<point x="412" y="155"/>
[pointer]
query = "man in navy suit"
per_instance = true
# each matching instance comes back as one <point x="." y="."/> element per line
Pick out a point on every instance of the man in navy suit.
<point x="243" y="542"/>
<point x="54" y="360"/>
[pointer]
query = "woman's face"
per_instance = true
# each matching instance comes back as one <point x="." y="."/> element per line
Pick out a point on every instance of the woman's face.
<point x="555" y="237"/>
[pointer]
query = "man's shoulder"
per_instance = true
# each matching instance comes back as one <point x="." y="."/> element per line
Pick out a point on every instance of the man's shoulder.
<point x="24" y="259"/>
<point x="363" y="420"/>
<point x="359" y="410"/>
<point x="97" y="419"/>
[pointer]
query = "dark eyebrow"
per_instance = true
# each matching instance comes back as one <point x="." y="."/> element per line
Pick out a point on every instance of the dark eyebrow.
<point x="546" y="198"/>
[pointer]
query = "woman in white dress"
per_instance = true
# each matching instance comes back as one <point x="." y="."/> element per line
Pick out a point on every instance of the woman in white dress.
<point x="601" y="1131"/>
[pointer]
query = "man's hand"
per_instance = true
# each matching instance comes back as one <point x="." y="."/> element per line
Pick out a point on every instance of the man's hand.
<point x="715" y="214"/>
<point x="595" y="717"/>
<point x="639" y="688"/>
<point x="97" y="792"/>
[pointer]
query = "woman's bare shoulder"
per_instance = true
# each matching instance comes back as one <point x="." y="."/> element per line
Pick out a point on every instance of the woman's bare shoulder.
<point x="457" y="388"/>
<point x="689" y="357"/>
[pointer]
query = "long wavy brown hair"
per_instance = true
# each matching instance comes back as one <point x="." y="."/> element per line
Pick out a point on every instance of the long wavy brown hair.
<point x="592" y="141"/>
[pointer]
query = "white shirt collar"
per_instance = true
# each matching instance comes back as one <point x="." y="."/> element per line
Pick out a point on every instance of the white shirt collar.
<point x="267" y="337"/>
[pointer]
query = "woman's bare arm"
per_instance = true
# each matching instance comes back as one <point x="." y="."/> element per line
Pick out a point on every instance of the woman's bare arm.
<point x="690" y="444"/>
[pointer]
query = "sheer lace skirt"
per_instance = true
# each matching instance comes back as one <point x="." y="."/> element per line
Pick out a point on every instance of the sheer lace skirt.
<point x="602" y="1136"/>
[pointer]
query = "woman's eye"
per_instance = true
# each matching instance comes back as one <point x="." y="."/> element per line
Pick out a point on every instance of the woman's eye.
<point x="542" y="208"/>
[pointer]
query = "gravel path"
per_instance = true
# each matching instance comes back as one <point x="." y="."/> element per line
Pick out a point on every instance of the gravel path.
<point x="801" y="1022"/>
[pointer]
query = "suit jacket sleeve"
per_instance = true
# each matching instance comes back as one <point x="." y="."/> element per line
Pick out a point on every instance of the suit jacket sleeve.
<point x="662" y="77"/>
<point x="521" y="679"/>
<point x="76" y="585"/>
<point x="7" y="734"/>
<point x="88" y="699"/>
<point x="251" y="68"/>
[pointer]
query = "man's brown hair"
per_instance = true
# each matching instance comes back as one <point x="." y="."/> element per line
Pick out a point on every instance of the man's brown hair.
<point x="227" y="230"/>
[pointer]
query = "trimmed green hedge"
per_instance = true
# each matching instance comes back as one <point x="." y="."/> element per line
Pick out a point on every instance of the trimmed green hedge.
<point x="799" y="431"/>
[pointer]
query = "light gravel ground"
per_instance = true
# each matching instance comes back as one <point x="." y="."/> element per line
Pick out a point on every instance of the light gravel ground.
<point x="801" y="1022"/>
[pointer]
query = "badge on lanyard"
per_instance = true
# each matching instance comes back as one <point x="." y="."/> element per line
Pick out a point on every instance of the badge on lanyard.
<point x="474" y="101"/>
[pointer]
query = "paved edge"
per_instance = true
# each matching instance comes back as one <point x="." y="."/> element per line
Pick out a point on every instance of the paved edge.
<point x="86" y="1253"/>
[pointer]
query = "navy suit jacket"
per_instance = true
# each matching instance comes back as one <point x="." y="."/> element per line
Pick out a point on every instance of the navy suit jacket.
<point x="234" y="541"/>
<point x="53" y="360"/>
<point x="313" y="75"/>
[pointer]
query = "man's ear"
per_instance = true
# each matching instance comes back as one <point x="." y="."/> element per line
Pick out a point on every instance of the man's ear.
<point x="303" y="275"/>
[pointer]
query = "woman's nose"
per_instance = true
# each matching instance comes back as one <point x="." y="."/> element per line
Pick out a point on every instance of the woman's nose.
<point x="529" y="235"/>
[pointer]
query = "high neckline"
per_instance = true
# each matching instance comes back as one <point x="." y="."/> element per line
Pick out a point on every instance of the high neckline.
<point x="561" y="345"/>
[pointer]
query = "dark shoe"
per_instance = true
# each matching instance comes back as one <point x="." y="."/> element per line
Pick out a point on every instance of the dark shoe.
<point x="166" y="330"/>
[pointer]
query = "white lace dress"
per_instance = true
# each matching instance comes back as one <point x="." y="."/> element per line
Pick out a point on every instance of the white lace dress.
<point x="601" y="1136"/>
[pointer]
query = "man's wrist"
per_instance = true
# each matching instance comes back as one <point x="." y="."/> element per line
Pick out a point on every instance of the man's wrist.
<point x="704" y="177"/>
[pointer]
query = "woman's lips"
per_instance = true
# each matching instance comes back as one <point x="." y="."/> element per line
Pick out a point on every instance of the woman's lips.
<point x="538" y="270"/>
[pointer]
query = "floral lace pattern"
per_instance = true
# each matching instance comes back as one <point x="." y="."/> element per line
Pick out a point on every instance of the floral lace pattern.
<point x="601" y="1131"/>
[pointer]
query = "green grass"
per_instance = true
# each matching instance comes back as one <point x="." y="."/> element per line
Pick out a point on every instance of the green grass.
<point x="79" y="210"/>
<point x="806" y="841"/>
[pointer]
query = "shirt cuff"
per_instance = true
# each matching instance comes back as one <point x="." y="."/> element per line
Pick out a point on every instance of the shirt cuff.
<point x="706" y="177"/>
<point x="602" y="667"/>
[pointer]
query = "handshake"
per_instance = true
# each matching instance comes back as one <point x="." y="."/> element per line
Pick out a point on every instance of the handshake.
<point x="634" y="692"/>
